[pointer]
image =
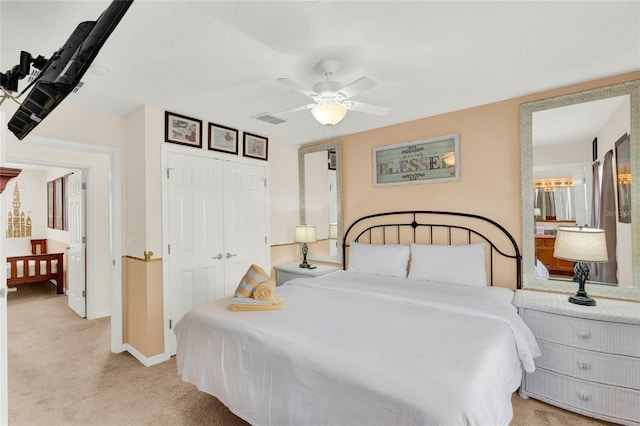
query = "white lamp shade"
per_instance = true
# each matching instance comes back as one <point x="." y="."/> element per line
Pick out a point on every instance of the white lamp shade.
<point x="537" y="211"/>
<point x="305" y="234"/>
<point x="329" y="114"/>
<point x="580" y="244"/>
<point x="333" y="231"/>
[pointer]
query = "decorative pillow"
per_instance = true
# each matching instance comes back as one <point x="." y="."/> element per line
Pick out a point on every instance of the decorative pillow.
<point x="254" y="276"/>
<point x="454" y="264"/>
<point x="390" y="259"/>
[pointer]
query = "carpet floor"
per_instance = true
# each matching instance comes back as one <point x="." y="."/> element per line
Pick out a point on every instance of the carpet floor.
<point x="61" y="372"/>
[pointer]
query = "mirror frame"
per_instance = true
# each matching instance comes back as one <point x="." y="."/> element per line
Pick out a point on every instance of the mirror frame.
<point x="631" y="88"/>
<point x="337" y="146"/>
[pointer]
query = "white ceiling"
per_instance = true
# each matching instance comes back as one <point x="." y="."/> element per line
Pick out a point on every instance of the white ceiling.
<point x="220" y="61"/>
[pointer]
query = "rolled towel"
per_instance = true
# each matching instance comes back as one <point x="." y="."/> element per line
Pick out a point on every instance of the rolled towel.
<point x="265" y="290"/>
<point x="254" y="276"/>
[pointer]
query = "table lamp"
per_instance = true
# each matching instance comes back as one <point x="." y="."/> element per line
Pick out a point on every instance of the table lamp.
<point x="305" y="234"/>
<point x="581" y="244"/>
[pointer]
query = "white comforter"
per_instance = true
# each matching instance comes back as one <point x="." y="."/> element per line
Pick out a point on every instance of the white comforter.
<point x="356" y="349"/>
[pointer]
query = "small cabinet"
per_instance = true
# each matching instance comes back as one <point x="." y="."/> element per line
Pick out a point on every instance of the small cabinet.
<point x="291" y="271"/>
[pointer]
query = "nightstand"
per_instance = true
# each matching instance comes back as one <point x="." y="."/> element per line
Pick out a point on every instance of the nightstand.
<point x="590" y="360"/>
<point x="290" y="271"/>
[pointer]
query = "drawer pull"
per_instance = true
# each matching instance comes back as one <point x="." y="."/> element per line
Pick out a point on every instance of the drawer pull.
<point x="585" y="365"/>
<point x="584" y="334"/>
<point x="584" y="396"/>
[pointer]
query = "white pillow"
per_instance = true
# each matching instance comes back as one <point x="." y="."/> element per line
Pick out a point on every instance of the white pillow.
<point x="454" y="264"/>
<point x="390" y="259"/>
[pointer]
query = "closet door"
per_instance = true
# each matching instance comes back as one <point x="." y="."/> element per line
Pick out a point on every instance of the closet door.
<point x="217" y="226"/>
<point x="195" y="222"/>
<point x="245" y="212"/>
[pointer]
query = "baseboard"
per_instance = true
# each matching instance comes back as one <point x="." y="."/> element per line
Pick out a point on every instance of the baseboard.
<point x="146" y="361"/>
<point x="101" y="315"/>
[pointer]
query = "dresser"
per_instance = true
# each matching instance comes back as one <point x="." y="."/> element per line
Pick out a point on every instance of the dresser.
<point x="590" y="360"/>
<point x="290" y="271"/>
<point x="544" y="253"/>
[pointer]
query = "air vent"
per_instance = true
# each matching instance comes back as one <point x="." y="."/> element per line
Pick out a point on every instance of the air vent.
<point x="269" y="118"/>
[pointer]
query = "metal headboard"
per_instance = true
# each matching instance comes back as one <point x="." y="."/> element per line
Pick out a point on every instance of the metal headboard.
<point x="394" y="222"/>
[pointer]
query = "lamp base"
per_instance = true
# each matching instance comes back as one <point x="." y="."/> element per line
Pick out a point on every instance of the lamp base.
<point x="582" y="300"/>
<point x="305" y="265"/>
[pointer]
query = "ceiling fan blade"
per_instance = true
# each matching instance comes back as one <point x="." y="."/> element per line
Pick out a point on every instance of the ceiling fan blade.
<point x="297" y="86"/>
<point x="289" y="111"/>
<point x="368" y="108"/>
<point x="358" y="86"/>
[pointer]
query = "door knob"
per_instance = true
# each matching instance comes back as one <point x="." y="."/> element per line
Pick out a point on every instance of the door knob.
<point x="228" y="255"/>
<point x="219" y="256"/>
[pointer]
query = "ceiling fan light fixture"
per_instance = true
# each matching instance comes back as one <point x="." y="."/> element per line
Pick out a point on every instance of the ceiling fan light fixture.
<point x="329" y="114"/>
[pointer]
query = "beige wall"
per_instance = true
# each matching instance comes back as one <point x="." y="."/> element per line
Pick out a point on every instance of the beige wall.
<point x="489" y="183"/>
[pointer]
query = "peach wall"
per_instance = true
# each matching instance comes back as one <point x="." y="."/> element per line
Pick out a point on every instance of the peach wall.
<point x="489" y="182"/>
<point x="142" y="305"/>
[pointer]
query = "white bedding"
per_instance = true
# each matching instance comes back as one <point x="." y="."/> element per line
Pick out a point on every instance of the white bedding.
<point x="356" y="349"/>
<point x="32" y="268"/>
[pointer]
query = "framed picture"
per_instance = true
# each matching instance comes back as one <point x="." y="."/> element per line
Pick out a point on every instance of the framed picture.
<point x="623" y="178"/>
<point x="182" y="130"/>
<point x="50" y="203"/>
<point x="423" y="161"/>
<point x="58" y="203"/>
<point x="255" y="146"/>
<point x="332" y="160"/>
<point x="223" y="139"/>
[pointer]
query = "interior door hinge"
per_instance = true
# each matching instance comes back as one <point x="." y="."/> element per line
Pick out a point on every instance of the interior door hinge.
<point x="265" y="183"/>
<point x="84" y="186"/>
<point x="84" y="240"/>
<point x="84" y="293"/>
<point x="168" y="248"/>
<point x="170" y="324"/>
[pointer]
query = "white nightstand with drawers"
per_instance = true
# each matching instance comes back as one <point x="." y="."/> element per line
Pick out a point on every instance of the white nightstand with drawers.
<point x="290" y="271"/>
<point x="590" y="359"/>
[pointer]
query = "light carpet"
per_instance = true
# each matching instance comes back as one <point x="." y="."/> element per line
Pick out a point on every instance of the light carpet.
<point x="61" y="372"/>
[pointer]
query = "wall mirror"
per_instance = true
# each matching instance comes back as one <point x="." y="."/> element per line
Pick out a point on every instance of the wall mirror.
<point x="556" y="153"/>
<point x="320" y="183"/>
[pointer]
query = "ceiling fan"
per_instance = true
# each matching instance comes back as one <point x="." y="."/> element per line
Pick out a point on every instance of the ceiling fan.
<point x="332" y="100"/>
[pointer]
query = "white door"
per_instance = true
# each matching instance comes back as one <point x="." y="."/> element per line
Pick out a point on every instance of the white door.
<point x="245" y="212"/>
<point x="196" y="258"/>
<point x="75" y="256"/>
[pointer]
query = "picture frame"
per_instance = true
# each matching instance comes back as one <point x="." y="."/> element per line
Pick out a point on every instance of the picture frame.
<point x="422" y="161"/>
<point x="332" y="160"/>
<point x="50" y="205"/>
<point x="623" y="177"/>
<point x="255" y="146"/>
<point x="223" y="139"/>
<point x="182" y="130"/>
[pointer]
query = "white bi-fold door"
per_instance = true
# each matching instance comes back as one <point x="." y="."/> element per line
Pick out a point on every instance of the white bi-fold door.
<point x="217" y="227"/>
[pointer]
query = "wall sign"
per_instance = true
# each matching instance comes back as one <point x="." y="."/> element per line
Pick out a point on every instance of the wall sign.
<point x="423" y="161"/>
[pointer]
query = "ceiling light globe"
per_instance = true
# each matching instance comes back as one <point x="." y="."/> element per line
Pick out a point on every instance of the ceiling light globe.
<point x="329" y="114"/>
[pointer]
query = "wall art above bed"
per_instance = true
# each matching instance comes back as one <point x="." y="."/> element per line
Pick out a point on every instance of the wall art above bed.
<point x="423" y="161"/>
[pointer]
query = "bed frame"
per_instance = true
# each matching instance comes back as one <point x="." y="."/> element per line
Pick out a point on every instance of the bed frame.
<point x="39" y="255"/>
<point x="435" y="227"/>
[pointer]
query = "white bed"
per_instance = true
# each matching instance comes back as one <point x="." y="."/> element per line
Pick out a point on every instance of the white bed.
<point x="357" y="349"/>
<point x="360" y="349"/>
